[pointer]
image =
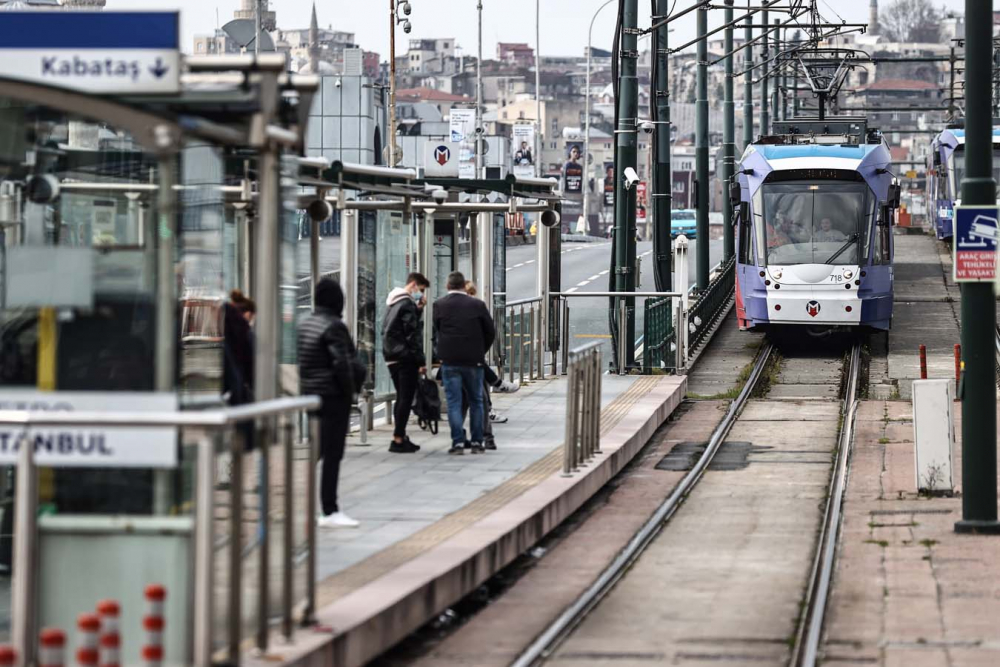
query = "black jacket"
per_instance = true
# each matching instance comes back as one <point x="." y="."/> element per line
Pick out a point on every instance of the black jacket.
<point x="328" y="361"/>
<point x="402" y="333"/>
<point x="464" y="329"/>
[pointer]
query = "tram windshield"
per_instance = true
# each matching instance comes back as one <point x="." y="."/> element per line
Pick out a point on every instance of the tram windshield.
<point x="815" y="221"/>
<point x="958" y="164"/>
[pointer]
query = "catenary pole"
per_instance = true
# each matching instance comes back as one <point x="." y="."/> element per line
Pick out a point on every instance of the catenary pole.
<point x="748" y="83"/>
<point x="979" y="425"/>
<point x="628" y="106"/>
<point x="765" y="96"/>
<point x="701" y="151"/>
<point x="728" y="140"/>
<point x="662" y="200"/>
<point x="588" y="169"/>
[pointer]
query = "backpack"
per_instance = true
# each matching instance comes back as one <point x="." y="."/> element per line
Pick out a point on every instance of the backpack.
<point x="427" y="405"/>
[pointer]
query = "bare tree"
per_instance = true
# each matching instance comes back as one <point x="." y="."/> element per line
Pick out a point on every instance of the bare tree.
<point x="910" y="21"/>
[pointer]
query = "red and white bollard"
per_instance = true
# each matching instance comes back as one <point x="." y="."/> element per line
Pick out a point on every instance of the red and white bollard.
<point x="8" y="656"/>
<point x="51" y="648"/>
<point x="154" y="623"/>
<point x="110" y="640"/>
<point x="88" y="626"/>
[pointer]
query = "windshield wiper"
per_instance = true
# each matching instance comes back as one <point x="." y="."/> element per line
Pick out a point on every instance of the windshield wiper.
<point x="851" y="240"/>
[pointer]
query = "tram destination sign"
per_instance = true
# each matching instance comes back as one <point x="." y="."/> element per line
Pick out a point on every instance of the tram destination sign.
<point x="975" y="243"/>
<point x="93" y="52"/>
<point x="93" y="447"/>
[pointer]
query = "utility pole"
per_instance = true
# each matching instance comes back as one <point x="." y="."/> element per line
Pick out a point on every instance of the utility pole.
<point x="979" y="423"/>
<point x="588" y="168"/>
<point x="728" y="139"/>
<point x="662" y="190"/>
<point x="777" y="49"/>
<point x="701" y="151"/>
<point x="765" y="96"/>
<point x="479" y="96"/>
<point x="748" y="82"/>
<point x="628" y="107"/>
<point x="538" y="90"/>
<point x="392" y="84"/>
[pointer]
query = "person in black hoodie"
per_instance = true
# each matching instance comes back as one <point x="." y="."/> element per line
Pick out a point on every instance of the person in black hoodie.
<point x="403" y="350"/>
<point x="465" y="332"/>
<point x="329" y="367"/>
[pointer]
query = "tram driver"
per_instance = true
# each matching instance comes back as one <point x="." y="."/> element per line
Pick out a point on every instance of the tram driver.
<point x="826" y="232"/>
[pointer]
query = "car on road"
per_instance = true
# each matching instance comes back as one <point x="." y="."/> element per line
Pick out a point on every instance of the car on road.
<point x="683" y="221"/>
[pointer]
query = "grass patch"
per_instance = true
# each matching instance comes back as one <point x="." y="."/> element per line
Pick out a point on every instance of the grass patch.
<point x="883" y="441"/>
<point x="928" y="543"/>
<point x="881" y="543"/>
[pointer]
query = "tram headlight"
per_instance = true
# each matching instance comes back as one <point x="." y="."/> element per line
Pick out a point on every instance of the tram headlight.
<point x="848" y="275"/>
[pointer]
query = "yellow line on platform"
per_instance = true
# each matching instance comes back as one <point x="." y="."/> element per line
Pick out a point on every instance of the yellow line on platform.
<point x="591" y="335"/>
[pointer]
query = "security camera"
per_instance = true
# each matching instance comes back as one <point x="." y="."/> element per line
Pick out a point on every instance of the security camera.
<point x="42" y="189"/>
<point x="337" y="83"/>
<point x="631" y="178"/>
<point x="440" y="196"/>
<point x="406" y="8"/>
<point x="550" y="218"/>
<point x="647" y="126"/>
<point x="407" y="27"/>
<point x="320" y="210"/>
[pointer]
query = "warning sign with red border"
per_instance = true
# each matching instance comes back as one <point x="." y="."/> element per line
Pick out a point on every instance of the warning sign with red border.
<point x="975" y="243"/>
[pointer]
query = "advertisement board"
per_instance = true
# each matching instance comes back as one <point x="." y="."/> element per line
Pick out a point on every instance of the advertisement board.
<point x="522" y="150"/>
<point x="572" y="170"/>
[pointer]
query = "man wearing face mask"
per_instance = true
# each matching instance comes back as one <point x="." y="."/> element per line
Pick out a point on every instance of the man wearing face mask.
<point x="403" y="350"/>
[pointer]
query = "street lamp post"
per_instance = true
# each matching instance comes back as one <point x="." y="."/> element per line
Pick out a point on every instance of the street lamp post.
<point x="538" y="87"/>
<point x="586" y="121"/>
<point x="395" y="6"/>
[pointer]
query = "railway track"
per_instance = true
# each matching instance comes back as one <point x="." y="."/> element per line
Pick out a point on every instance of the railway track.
<point x="809" y="630"/>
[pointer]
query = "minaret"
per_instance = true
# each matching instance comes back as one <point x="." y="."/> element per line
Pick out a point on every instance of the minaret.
<point x="873" y="17"/>
<point x="314" y="43"/>
<point x="267" y="18"/>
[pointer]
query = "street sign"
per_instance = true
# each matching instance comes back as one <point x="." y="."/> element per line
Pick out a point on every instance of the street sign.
<point x="441" y="160"/>
<point x="911" y="173"/>
<point x="94" y="447"/>
<point x="975" y="243"/>
<point x="94" y="52"/>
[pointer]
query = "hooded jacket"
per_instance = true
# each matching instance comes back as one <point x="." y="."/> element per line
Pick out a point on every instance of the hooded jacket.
<point x="402" y="333"/>
<point x="328" y="361"/>
<point x="464" y="329"/>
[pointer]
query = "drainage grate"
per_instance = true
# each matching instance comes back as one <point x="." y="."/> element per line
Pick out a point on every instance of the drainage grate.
<point x="731" y="456"/>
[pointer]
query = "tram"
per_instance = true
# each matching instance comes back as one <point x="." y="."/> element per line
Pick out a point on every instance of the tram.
<point x="815" y="206"/>
<point x="945" y="168"/>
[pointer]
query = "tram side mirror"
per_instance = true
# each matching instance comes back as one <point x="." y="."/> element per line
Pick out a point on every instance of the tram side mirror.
<point x="897" y="193"/>
<point x="885" y="214"/>
<point x="744" y="212"/>
<point x="735" y="193"/>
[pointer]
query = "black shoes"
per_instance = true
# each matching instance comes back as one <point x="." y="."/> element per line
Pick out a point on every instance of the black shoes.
<point x="477" y="448"/>
<point x="456" y="448"/>
<point x="490" y="444"/>
<point x="405" y="447"/>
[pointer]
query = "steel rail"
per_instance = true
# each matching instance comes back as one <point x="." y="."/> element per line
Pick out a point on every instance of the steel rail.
<point x="559" y="629"/>
<point x="810" y="628"/>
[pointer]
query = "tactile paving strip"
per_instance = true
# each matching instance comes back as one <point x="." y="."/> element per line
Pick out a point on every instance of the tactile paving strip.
<point x="392" y="557"/>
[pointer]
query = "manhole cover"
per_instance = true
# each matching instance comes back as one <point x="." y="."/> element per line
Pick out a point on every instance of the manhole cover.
<point x="731" y="456"/>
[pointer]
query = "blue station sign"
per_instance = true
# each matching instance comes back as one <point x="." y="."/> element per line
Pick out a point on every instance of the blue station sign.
<point x="93" y="52"/>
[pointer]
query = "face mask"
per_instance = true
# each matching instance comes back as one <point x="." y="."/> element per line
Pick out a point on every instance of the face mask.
<point x="417" y="296"/>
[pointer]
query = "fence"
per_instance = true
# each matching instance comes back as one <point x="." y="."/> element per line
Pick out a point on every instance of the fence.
<point x="658" y="335"/>
<point x="711" y="303"/>
<point x="281" y="425"/>
<point x="519" y="342"/>
<point x="583" y="407"/>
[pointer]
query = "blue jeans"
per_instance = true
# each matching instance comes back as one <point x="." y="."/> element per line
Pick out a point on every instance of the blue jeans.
<point x="470" y="379"/>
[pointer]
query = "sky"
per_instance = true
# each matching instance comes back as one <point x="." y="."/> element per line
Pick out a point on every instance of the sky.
<point x="564" y="23"/>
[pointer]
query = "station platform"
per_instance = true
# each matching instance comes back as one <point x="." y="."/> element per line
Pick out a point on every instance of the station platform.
<point x="434" y="526"/>
<point x="926" y="312"/>
<point x="908" y="589"/>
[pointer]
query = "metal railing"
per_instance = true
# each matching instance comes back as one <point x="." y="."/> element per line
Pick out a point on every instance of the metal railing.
<point x="711" y="303"/>
<point x="658" y="335"/>
<point x="519" y="346"/>
<point x="277" y="419"/>
<point x="583" y="407"/>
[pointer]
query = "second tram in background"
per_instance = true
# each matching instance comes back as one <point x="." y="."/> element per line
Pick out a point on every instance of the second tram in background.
<point x="816" y="203"/>
<point x="945" y="168"/>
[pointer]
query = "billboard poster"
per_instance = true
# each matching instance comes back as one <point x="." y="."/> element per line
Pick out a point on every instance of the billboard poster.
<point x="641" y="194"/>
<point x="573" y="168"/>
<point x="609" y="184"/>
<point x="522" y="150"/>
<point x="463" y="125"/>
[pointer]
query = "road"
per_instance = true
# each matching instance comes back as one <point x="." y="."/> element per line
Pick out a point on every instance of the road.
<point x="585" y="268"/>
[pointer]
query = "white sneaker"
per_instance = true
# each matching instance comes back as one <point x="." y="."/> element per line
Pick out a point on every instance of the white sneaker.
<point x="337" y="520"/>
<point x="497" y="418"/>
<point x="507" y="387"/>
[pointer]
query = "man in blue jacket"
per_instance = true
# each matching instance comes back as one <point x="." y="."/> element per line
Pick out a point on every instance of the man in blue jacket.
<point x="465" y="332"/>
